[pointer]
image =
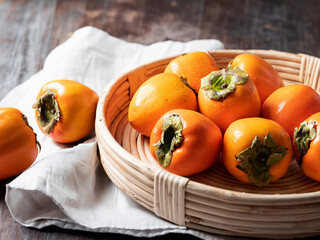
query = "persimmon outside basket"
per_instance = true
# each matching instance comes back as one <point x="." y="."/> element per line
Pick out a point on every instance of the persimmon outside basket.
<point x="212" y="201"/>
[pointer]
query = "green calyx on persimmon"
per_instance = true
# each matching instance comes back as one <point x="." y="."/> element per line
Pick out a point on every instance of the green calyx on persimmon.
<point x="257" y="159"/>
<point x="49" y="111"/>
<point x="171" y="138"/>
<point x="304" y="135"/>
<point x="219" y="84"/>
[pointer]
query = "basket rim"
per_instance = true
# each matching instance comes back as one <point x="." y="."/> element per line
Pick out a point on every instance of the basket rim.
<point x="193" y="186"/>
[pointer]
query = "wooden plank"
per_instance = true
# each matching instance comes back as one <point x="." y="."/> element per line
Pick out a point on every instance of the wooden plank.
<point x="291" y="26"/>
<point x="147" y="22"/>
<point x="25" y="37"/>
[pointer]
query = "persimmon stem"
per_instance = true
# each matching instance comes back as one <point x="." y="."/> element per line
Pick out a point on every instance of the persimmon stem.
<point x="49" y="111"/>
<point x="25" y="119"/>
<point x="219" y="84"/>
<point x="303" y="136"/>
<point x="184" y="80"/>
<point x="171" y="138"/>
<point x="257" y="159"/>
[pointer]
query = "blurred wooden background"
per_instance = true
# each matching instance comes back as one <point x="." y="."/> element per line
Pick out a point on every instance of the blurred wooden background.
<point x="30" y="29"/>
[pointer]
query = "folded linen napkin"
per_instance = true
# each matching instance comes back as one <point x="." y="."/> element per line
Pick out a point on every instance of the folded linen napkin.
<point x="67" y="186"/>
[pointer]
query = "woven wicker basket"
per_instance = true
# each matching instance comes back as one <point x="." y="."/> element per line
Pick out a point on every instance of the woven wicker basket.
<point x="212" y="201"/>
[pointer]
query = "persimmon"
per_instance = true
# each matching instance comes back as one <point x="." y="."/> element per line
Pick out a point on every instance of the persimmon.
<point x="18" y="143"/>
<point x="65" y="110"/>
<point x="228" y="95"/>
<point x="156" y="96"/>
<point x="192" y="67"/>
<point x="291" y="105"/>
<point x="185" y="142"/>
<point x="306" y="145"/>
<point x="256" y="150"/>
<point x="263" y="75"/>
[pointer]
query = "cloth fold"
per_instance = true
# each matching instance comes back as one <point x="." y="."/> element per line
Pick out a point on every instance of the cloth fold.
<point x="67" y="186"/>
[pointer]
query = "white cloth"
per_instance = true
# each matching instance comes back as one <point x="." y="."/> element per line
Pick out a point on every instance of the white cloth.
<point x="66" y="186"/>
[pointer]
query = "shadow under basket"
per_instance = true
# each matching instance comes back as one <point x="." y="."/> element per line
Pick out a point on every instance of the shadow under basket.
<point x="212" y="201"/>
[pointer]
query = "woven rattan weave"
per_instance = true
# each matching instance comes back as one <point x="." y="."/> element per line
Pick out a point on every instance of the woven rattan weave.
<point x="211" y="201"/>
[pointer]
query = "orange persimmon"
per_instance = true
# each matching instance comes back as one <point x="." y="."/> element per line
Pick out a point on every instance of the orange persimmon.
<point x="290" y="105"/>
<point x="256" y="150"/>
<point x="228" y="95"/>
<point x="156" y="96"/>
<point x="65" y="110"/>
<point x="18" y="143"/>
<point x="306" y="145"/>
<point x="185" y="142"/>
<point x="192" y="67"/>
<point x="264" y="76"/>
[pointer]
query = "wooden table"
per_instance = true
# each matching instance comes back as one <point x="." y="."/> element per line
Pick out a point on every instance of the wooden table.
<point x="29" y="30"/>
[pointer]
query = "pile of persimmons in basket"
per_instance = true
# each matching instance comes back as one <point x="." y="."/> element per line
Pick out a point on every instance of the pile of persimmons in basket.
<point x="195" y="113"/>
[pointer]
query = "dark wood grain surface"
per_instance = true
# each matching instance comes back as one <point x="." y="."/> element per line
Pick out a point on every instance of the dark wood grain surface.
<point x="29" y="30"/>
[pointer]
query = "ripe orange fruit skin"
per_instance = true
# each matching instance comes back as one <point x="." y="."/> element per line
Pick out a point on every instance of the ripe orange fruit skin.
<point x="291" y="105"/>
<point x="192" y="66"/>
<point x="156" y="96"/>
<point x="200" y="147"/>
<point x="309" y="162"/>
<point x="240" y="135"/>
<point x="243" y="102"/>
<point x="264" y="76"/>
<point x="77" y="105"/>
<point x="18" y="144"/>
